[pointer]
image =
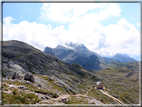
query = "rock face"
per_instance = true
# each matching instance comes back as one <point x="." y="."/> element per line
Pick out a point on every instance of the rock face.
<point x="29" y="77"/>
<point x="16" y="76"/>
<point x="49" y="51"/>
<point x="76" y="53"/>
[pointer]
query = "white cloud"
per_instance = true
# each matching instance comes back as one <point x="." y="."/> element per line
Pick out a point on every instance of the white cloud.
<point x="68" y="12"/>
<point x="122" y="37"/>
<point x="119" y="38"/>
<point x="83" y="27"/>
<point x="138" y="24"/>
<point x="111" y="9"/>
<point x="38" y="35"/>
<point x="7" y="20"/>
<point x="121" y="33"/>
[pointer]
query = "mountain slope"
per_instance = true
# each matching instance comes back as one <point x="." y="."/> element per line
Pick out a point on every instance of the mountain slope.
<point x="61" y="83"/>
<point x="21" y="58"/>
<point x="78" y="53"/>
<point x="122" y="58"/>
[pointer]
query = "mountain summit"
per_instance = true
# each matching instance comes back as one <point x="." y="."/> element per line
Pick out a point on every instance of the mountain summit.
<point x="122" y="58"/>
<point x="79" y="48"/>
<point x="78" y="53"/>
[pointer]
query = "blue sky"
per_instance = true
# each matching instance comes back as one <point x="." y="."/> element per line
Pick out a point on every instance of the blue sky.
<point x="105" y="28"/>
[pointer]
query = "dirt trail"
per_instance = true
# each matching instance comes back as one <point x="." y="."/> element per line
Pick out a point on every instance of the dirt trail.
<point x="85" y="95"/>
<point x="111" y="96"/>
<point x="87" y="91"/>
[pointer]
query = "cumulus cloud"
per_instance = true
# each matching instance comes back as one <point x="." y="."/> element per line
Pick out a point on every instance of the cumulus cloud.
<point x="38" y="35"/>
<point x="69" y="12"/>
<point x="8" y="19"/>
<point x="121" y="33"/>
<point x="122" y="37"/>
<point x="84" y="26"/>
<point x="138" y="24"/>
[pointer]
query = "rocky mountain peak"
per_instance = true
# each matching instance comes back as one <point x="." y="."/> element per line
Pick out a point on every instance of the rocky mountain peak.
<point x="80" y="48"/>
<point x="123" y="58"/>
<point x="125" y="55"/>
<point x="71" y="44"/>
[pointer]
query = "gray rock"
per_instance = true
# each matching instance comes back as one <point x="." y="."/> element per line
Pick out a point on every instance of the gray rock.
<point x="46" y="97"/>
<point x="16" y="76"/>
<point x="29" y="77"/>
<point x="64" y="100"/>
<point x="27" y="82"/>
<point x="22" y="87"/>
<point x="39" y="86"/>
<point x="32" y="78"/>
<point x="43" y="97"/>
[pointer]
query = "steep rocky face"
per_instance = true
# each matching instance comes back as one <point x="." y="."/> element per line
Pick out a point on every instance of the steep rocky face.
<point x="77" y="53"/>
<point x="49" y="50"/>
<point x="90" y="63"/>
<point x="123" y="58"/>
<point x="61" y="52"/>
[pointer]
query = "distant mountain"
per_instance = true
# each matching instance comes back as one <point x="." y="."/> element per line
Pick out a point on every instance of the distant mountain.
<point x="126" y="55"/>
<point x="122" y="58"/>
<point x="78" y="53"/>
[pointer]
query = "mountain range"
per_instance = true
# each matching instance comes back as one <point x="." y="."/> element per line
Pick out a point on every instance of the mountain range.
<point x="78" y="53"/>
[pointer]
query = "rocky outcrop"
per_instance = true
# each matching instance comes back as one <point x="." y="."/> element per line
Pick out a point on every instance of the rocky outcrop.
<point x="29" y="77"/>
<point x="16" y="76"/>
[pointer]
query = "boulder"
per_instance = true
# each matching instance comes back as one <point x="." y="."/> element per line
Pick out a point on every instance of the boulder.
<point x="22" y="87"/>
<point x="29" y="77"/>
<point x="39" y="86"/>
<point x="16" y="76"/>
<point x="64" y="100"/>
<point x="45" y="97"/>
<point x="27" y="82"/>
<point x="32" y="78"/>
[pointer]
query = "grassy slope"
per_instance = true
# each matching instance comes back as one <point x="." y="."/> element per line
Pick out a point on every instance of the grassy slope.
<point x="125" y="89"/>
<point x="117" y="85"/>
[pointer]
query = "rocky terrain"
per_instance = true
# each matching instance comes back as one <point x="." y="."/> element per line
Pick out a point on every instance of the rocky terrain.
<point x="31" y="76"/>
